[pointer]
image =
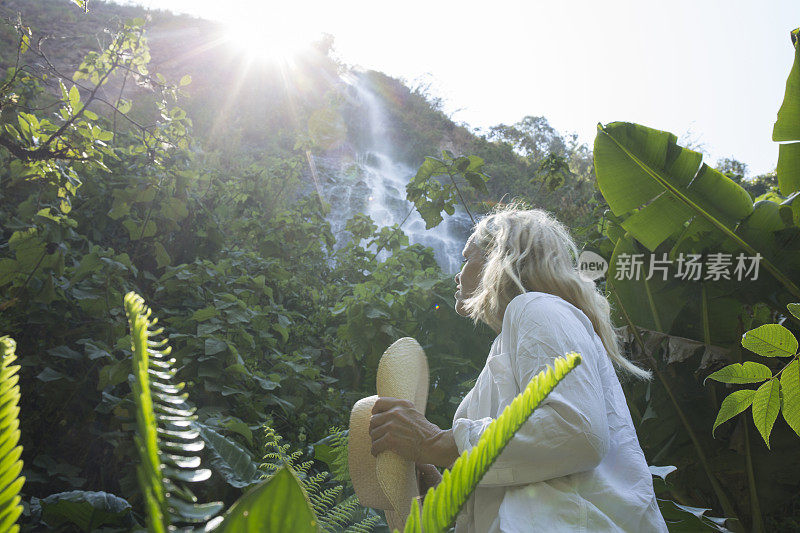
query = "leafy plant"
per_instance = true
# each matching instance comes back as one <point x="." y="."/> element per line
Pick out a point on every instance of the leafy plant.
<point x="443" y="502"/>
<point x="167" y="436"/>
<point x="778" y="393"/>
<point x="10" y="464"/>
<point x="164" y="438"/>
<point x="332" y="516"/>
<point x="787" y="130"/>
<point x="668" y="206"/>
<point x="332" y="450"/>
<point x="431" y="196"/>
<point x="87" y="510"/>
<point x="681" y="517"/>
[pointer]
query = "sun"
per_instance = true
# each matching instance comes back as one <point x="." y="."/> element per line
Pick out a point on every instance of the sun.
<point x="263" y="38"/>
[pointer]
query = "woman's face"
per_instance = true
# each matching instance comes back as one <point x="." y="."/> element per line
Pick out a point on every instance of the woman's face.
<point x="467" y="280"/>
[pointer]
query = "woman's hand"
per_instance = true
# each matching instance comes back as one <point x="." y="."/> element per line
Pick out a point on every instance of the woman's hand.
<point x="396" y="426"/>
<point x="427" y="477"/>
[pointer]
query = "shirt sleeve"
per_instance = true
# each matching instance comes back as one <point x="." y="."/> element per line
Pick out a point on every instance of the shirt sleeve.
<point x="568" y="432"/>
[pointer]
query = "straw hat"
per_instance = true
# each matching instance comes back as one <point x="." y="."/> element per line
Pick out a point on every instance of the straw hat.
<point x="388" y="481"/>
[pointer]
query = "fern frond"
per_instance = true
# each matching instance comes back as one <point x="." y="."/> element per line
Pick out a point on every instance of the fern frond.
<point x="10" y="464"/>
<point x="330" y="515"/>
<point x="340" y="469"/>
<point x="303" y="467"/>
<point x="165" y="440"/>
<point x="324" y="501"/>
<point x="364" y="526"/>
<point x="443" y="503"/>
<point x="335" y="517"/>
<point x="312" y="484"/>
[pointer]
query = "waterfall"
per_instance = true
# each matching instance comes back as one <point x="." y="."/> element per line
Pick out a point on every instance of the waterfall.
<point x="374" y="182"/>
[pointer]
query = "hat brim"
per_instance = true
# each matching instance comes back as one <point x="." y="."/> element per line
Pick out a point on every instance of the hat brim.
<point x="389" y="481"/>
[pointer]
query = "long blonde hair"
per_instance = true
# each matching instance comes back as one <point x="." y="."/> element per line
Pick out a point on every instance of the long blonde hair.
<point x="529" y="250"/>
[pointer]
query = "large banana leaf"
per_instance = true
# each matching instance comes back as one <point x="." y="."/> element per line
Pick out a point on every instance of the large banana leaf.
<point x="643" y="173"/>
<point x="654" y="303"/>
<point x="661" y="190"/>
<point x="787" y="128"/>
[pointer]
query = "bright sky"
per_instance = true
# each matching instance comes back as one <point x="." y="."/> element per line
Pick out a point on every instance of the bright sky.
<point x="711" y="71"/>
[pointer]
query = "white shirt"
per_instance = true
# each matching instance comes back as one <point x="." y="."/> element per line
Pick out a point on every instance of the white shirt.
<point x="576" y="463"/>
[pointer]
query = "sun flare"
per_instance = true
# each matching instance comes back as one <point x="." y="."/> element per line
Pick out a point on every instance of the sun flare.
<point x="276" y="41"/>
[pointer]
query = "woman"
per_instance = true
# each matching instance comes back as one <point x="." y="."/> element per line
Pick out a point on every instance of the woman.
<point x="576" y="463"/>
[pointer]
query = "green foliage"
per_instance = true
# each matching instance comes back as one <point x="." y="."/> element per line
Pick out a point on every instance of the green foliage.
<point x="432" y="196"/>
<point x="10" y="464"/>
<point x="166" y="442"/>
<point x="332" y="450"/>
<point x="271" y="323"/>
<point x="230" y="459"/>
<point x="276" y="505"/>
<point x="443" y="502"/>
<point x="85" y="510"/>
<point x="332" y="512"/>
<point x="682" y="517"/>
<point x="164" y="439"/>
<point x="668" y="206"/>
<point x="634" y="164"/>
<point x="786" y="128"/>
<point x="778" y="393"/>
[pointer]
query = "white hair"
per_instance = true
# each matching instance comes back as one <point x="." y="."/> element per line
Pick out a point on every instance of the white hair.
<point x="529" y="250"/>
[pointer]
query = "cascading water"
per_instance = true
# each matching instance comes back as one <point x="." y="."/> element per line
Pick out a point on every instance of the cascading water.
<point x="374" y="183"/>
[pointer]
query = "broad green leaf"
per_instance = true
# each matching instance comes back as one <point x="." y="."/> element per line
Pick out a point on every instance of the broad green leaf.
<point x="162" y="257"/>
<point x="748" y="372"/>
<point x="276" y="505"/>
<point x="787" y="126"/>
<point x="659" y="186"/>
<point x="790" y="390"/>
<point x="214" y="346"/>
<point x="135" y="230"/>
<point x="794" y="309"/>
<point x="430" y="167"/>
<point x="124" y="106"/>
<point x="671" y="297"/>
<point x="476" y="181"/>
<point x="65" y="352"/>
<point x="186" y="80"/>
<point x="230" y="459"/>
<point x="732" y="405"/>
<point x="766" y="404"/>
<point x="87" y="510"/>
<point x="788" y="169"/>
<point x="74" y="98"/>
<point x="205" y="313"/>
<point x="770" y="340"/>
